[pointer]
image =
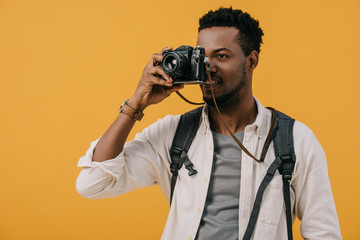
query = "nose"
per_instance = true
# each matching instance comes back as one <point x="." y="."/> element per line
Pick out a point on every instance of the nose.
<point x="212" y="67"/>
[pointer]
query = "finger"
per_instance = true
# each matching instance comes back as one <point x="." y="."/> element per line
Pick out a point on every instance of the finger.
<point x="160" y="82"/>
<point x="157" y="57"/>
<point x="157" y="70"/>
<point x="157" y="76"/>
<point x="174" y="89"/>
<point x="165" y="49"/>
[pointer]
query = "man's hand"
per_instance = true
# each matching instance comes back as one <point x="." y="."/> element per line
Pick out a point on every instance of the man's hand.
<point x="152" y="88"/>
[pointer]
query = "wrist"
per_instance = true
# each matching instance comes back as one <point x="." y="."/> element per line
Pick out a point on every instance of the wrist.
<point x="131" y="111"/>
<point x="136" y="104"/>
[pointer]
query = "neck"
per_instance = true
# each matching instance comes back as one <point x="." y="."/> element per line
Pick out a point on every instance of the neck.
<point x="236" y="116"/>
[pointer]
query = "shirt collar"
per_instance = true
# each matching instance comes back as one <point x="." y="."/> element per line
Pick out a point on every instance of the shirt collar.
<point x="263" y="119"/>
<point x="260" y="125"/>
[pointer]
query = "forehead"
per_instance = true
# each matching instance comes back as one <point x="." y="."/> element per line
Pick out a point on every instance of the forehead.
<point x="218" y="37"/>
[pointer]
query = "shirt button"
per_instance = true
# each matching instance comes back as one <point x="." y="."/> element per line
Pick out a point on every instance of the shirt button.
<point x="205" y="180"/>
<point x="210" y="147"/>
<point x="190" y="238"/>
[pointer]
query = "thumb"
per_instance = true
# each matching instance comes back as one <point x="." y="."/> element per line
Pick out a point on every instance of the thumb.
<point x="175" y="88"/>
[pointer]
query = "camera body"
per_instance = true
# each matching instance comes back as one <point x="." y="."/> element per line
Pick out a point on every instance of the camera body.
<point x="185" y="65"/>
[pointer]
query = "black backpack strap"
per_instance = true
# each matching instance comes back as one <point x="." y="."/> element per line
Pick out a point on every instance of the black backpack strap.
<point x="284" y="161"/>
<point x="284" y="149"/>
<point x="258" y="199"/>
<point x="184" y="135"/>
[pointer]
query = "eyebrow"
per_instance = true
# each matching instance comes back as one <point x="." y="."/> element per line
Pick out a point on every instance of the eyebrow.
<point x="221" y="49"/>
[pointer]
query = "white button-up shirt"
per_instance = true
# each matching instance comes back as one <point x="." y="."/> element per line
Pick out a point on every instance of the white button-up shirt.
<point x="145" y="161"/>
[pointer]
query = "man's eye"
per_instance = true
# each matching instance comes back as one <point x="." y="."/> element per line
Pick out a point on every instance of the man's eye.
<point x="220" y="55"/>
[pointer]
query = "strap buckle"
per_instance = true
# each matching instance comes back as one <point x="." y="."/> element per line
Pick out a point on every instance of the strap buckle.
<point x="287" y="166"/>
<point x="173" y="168"/>
<point x="188" y="164"/>
<point x="179" y="158"/>
<point x="176" y="162"/>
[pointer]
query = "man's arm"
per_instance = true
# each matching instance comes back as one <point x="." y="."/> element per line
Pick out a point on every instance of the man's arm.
<point x="151" y="89"/>
<point x="314" y="203"/>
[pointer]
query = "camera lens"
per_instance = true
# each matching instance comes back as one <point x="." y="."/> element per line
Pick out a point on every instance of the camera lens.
<point x="171" y="63"/>
<point x="176" y="65"/>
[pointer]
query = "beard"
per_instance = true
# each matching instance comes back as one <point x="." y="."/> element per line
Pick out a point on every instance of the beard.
<point x="229" y="97"/>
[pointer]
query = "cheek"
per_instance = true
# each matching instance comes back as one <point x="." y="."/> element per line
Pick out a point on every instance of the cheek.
<point x="228" y="68"/>
<point x="232" y="73"/>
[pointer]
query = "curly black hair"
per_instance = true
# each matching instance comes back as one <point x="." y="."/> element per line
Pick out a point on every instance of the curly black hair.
<point x="250" y="34"/>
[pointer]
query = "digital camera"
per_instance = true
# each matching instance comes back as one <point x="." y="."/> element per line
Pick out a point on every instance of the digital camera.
<point x="185" y="65"/>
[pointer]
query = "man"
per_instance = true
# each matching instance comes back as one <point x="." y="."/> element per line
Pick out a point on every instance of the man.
<point x="215" y="203"/>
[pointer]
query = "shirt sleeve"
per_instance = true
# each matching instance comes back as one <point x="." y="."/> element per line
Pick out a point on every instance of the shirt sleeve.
<point x="314" y="202"/>
<point x="143" y="162"/>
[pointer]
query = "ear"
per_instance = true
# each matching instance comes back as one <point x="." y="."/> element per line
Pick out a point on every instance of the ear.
<point x="252" y="61"/>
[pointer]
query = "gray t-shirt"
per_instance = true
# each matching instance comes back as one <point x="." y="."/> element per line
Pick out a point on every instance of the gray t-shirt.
<point x="221" y="212"/>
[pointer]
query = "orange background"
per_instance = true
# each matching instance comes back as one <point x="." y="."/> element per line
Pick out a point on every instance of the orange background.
<point x="66" y="66"/>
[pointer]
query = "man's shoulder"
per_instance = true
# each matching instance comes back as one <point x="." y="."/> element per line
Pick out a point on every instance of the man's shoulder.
<point x="300" y="129"/>
<point x="160" y="133"/>
<point x="305" y="142"/>
<point x="165" y="123"/>
<point x="303" y="135"/>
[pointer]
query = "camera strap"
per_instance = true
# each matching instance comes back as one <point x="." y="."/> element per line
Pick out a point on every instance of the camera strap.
<point x="188" y="101"/>
<point x="268" y="138"/>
